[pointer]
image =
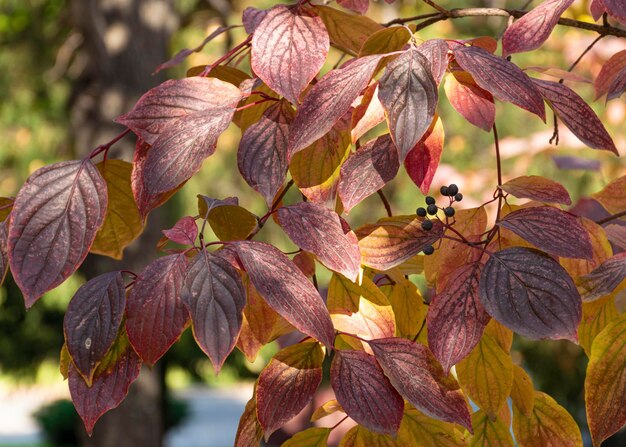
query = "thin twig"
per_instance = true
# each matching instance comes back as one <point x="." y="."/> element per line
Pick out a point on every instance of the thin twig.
<point x="611" y="217"/>
<point x="441" y="9"/>
<point x="381" y="194"/>
<point x="105" y="147"/>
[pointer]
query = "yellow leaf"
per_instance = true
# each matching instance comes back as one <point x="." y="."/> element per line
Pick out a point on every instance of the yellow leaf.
<point x="311" y="437"/>
<point x="596" y="316"/>
<point x="316" y="169"/>
<point x="348" y="32"/>
<point x="361" y="437"/>
<point x="64" y="361"/>
<point x="408" y="307"/>
<point x="231" y="222"/>
<point x="486" y="375"/>
<point x="613" y="196"/>
<point x="418" y="430"/>
<point x="6" y="205"/>
<point x="330" y="407"/>
<point x="489" y="432"/>
<point x="500" y="333"/>
<point x="522" y="393"/>
<point x="601" y="251"/>
<point x="122" y="223"/>
<point x="386" y="40"/>
<point x="244" y="118"/>
<point x="412" y="266"/>
<point x="549" y="425"/>
<point x="605" y="383"/>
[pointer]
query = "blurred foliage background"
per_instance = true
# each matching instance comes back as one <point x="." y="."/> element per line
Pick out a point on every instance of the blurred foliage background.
<point x="43" y="66"/>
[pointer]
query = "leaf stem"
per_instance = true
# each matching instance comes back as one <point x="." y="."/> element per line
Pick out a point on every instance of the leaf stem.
<point x="263" y="219"/>
<point x="383" y="198"/>
<point x="105" y="147"/>
<point x="210" y="67"/>
<point x="338" y="423"/>
<point x="611" y="217"/>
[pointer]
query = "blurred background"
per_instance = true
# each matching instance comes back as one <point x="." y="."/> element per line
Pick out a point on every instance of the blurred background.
<point x="69" y="67"/>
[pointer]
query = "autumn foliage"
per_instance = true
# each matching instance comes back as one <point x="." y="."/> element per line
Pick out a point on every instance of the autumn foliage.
<point x="405" y="370"/>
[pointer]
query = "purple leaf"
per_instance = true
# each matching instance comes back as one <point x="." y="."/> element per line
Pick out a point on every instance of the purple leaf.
<point x="537" y="188"/>
<point x="4" y="257"/>
<point x="215" y="297"/>
<point x="329" y="100"/>
<point x="571" y="162"/>
<point x="530" y="293"/>
<point x="576" y="115"/>
<point x="359" y="6"/>
<point x="436" y="53"/>
<point x="156" y="316"/>
<point x="408" y="93"/>
<point x="364" y="392"/>
<point x="252" y="18"/>
<point x="456" y="318"/>
<point x="616" y="8"/>
<point x="368" y="170"/>
<point x="610" y="71"/>
<point x="533" y="29"/>
<point x="554" y="231"/>
<point x="93" y="319"/>
<point x="472" y="102"/>
<point x="419" y="378"/>
<point x="285" y="288"/>
<point x="604" y="279"/>
<point x="184" y="232"/>
<point x="262" y="154"/>
<point x="289" y="47"/>
<point x="501" y="78"/>
<point x="317" y="229"/>
<point x="54" y="221"/>
<point x="618" y="85"/>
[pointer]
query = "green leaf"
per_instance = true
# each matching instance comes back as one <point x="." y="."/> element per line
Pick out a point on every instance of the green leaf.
<point x="311" y="437"/>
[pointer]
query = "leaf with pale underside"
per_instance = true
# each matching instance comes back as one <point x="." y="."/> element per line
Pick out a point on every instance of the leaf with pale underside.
<point x="54" y="220"/>
<point x="556" y="232"/>
<point x="537" y="188"/>
<point x="456" y="318"/>
<point x="364" y="392"/>
<point x="533" y="29"/>
<point x="92" y="321"/>
<point x="287" y="384"/>
<point x="419" y="378"/>
<point x="368" y="114"/>
<point x="214" y="296"/>
<point x="409" y="95"/>
<point x="422" y="161"/>
<point x="503" y="79"/>
<point x="367" y="170"/>
<point x="262" y="154"/>
<point x="391" y="241"/>
<point x="486" y="375"/>
<point x="359" y="6"/>
<point x="607" y="278"/>
<point x="329" y="100"/>
<point x="122" y="222"/>
<point x="285" y="288"/>
<point x="156" y="293"/>
<point x="576" y="114"/>
<point x="320" y="231"/>
<point x="530" y="293"/>
<point x="472" y="102"/>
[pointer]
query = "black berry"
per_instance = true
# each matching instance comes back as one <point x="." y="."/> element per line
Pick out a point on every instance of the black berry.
<point x="429" y="250"/>
<point x="453" y="190"/>
<point x="427" y="225"/>
<point x="449" y="211"/>
<point x="432" y="209"/>
<point x="443" y="190"/>
<point x="430" y="200"/>
<point x="458" y="197"/>
<point x="421" y="212"/>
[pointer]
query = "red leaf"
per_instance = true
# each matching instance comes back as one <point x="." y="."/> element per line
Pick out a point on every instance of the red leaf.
<point x="317" y="229"/>
<point x="534" y="28"/>
<point x="596" y="8"/>
<point x="537" y="188"/>
<point x="472" y="102"/>
<point x="368" y="114"/>
<point x="252" y="18"/>
<point x="419" y="378"/>
<point x="364" y="392"/>
<point x="501" y="78"/>
<point x="262" y="154"/>
<point x="609" y="72"/>
<point x="618" y="85"/>
<point x="408" y="93"/>
<point x="576" y="115"/>
<point x="54" y="221"/>
<point x="93" y="319"/>
<point x="436" y="52"/>
<point x="422" y="161"/>
<point x="285" y="288"/>
<point x="106" y="392"/>
<point x="184" y="232"/>
<point x="156" y="316"/>
<point x="359" y="6"/>
<point x="456" y="318"/>
<point x="4" y="257"/>
<point x="174" y="100"/>
<point x="368" y="170"/>
<point x="214" y="295"/>
<point x="289" y="47"/>
<point x="604" y="279"/>
<point x="249" y="432"/>
<point x="288" y="384"/>
<point x="329" y="100"/>
<point x="530" y="293"/>
<point x="554" y="231"/>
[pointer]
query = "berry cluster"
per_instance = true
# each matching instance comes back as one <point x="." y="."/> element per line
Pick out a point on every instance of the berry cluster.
<point x="431" y="209"/>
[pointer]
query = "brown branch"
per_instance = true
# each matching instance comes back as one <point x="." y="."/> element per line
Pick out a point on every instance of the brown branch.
<point x="383" y="198"/>
<point x="611" y="217"/>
